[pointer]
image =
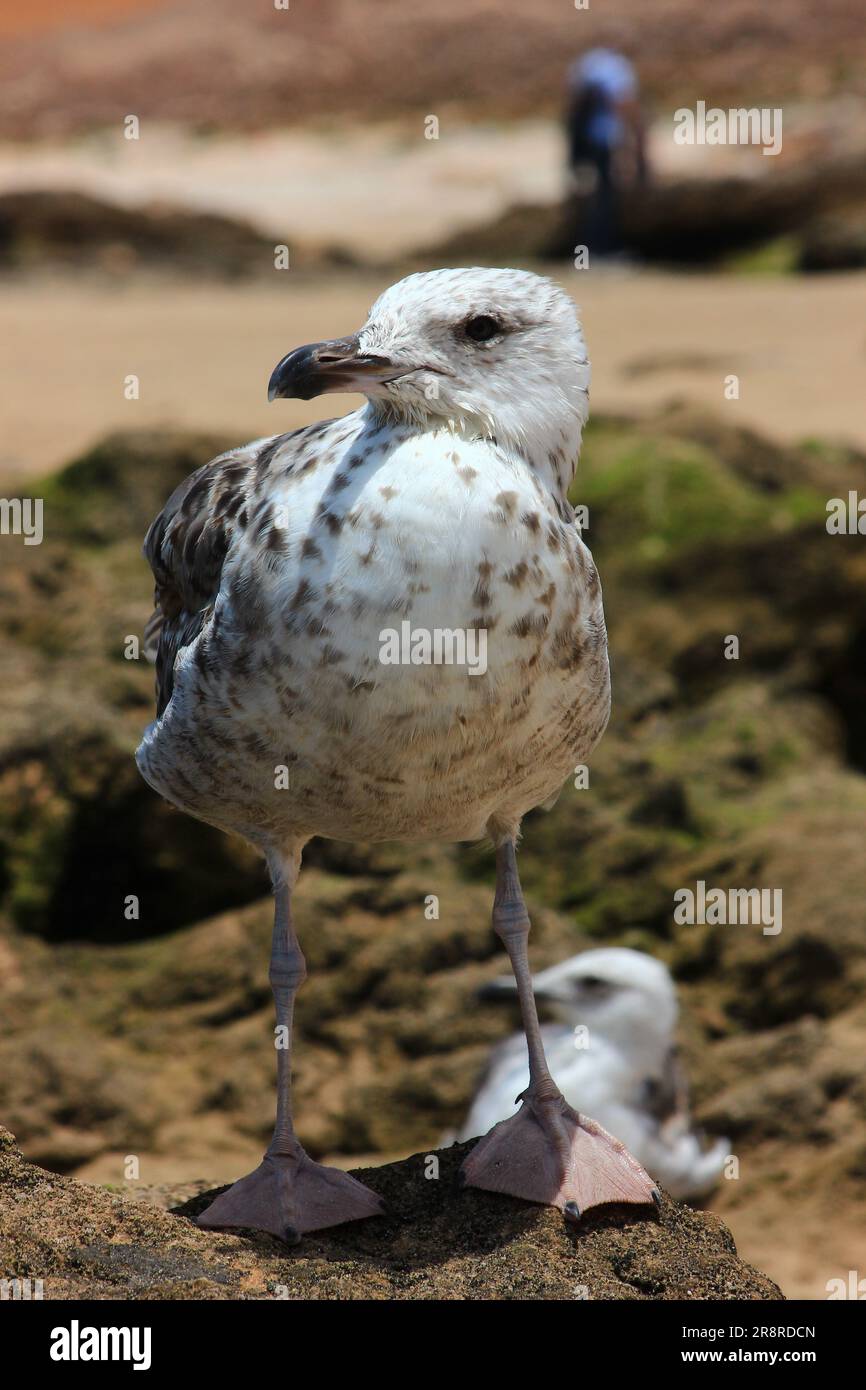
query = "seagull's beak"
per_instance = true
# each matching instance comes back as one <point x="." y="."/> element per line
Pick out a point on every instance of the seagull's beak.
<point x="549" y="987"/>
<point x="545" y="989"/>
<point x="338" y="365"/>
<point x="503" y="988"/>
<point x="550" y="993"/>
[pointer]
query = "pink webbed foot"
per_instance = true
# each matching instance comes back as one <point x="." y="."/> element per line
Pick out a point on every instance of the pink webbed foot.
<point x="289" y="1194"/>
<point x="548" y="1153"/>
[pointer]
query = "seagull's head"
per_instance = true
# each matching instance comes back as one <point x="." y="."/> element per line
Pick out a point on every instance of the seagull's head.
<point x="498" y="352"/>
<point x="623" y="995"/>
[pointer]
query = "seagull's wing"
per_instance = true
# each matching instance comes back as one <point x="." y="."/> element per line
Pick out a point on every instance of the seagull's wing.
<point x="666" y="1096"/>
<point x="186" y="547"/>
<point x="665" y="1141"/>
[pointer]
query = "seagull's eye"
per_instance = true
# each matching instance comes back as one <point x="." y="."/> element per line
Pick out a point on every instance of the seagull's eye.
<point x="593" y="984"/>
<point x="481" y="328"/>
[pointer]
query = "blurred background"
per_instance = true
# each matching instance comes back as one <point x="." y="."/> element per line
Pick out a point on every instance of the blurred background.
<point x="285" y="166"/>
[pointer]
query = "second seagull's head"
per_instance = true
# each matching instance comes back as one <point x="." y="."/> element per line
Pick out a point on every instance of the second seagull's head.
<point x="500" y="352"/>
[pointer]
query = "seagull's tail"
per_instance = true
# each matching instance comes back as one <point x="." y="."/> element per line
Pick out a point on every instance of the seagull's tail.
<point x="686" y="1171"/>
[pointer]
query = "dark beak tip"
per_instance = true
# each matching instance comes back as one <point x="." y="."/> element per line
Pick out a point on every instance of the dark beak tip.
<point x="291" y="376"/>
<point x="276" y="380"/>
<point x="494" y="992"/>
<point x="319" y="367"/>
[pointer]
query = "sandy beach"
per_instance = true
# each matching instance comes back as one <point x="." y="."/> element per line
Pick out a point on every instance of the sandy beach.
<point x="203" y="354"/>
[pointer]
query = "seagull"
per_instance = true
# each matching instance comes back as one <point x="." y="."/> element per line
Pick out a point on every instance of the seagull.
<point x="284" y="568"/>
<point x="612" y="1053"/>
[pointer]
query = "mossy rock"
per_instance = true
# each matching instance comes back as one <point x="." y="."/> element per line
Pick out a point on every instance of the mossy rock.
<point x="113" y="491"/>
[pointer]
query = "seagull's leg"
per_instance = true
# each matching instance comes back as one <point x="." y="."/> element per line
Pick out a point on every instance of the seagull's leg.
<point x="547" y="1152"/>
<point x="288" y="1193"/>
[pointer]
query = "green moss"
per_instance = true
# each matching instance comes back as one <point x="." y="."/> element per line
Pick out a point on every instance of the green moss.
<point x="777" y="257"/>
<point x="119" y="486"/>
<point x="647" y="498"/>
<point x="653" y="496"/>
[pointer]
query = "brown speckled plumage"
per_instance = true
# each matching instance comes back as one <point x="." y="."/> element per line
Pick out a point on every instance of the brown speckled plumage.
<point x="252" y="619"/>
<point x="301" y="583"/>
<point x="279" y="565"/>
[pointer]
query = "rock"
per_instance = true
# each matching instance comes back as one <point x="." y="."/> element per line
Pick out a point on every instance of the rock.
<point x="162" y="1035"/>
<point x="152" y="1035"/>
<point x="479" y="62"/>
<point x="112" y="492"/>
<point x="699" y="220"/>
<point x="438" y="1241"/>
<point x="834" y="243"/>
<point x="68" y="229"/>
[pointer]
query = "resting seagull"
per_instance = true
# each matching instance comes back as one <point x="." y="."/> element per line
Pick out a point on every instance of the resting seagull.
<point x="279" y="566"/>
<point x="612" y="1052"/>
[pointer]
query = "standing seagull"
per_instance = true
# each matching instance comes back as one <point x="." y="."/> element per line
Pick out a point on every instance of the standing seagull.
<point x="281" y="569"/>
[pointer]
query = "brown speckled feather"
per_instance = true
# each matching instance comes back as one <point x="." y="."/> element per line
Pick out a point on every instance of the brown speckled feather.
<point x="283" y="569"/>
<point x="185" y="547"/>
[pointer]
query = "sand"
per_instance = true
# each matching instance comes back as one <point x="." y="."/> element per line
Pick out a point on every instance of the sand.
<point x="376" y="190"/>
<point x="203" y="353"/>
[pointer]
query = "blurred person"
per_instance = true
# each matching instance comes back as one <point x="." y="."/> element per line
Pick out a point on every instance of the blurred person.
<point x="605" y="132"/>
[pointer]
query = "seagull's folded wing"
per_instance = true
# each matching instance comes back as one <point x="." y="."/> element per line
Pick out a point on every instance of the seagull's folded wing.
<point x="185" y="548"/>
<point x="666" y="1097"/>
